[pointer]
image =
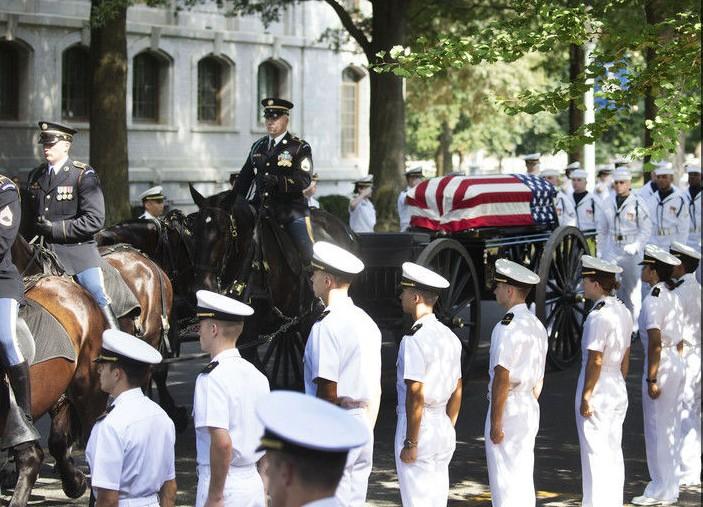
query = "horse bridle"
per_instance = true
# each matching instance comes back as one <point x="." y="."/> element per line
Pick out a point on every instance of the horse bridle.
<point x="230" y="247"/>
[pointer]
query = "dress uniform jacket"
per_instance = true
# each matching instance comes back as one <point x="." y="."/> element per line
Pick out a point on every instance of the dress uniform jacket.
<point x="689" y="292"/>
<point x="131" y="450"/>
<point x="226" y="393"/>
<point x="587" y="209"/>
<point x="662" y="310"/>
<point x="290" y="161"/>
<point x="363" y="217"/>
<point x="73" y="201"/>
<point x="518" y="344"/>
<point x="10" y="216"/>
<point x="694" y="213"/>
<point x="344" y="346"/>
<point x="430" y="354"/>
<point x="607" y="330"/>
<point x="566" y="212"/>
<point x="623" y="231"/>
<point x="670" y="221"/>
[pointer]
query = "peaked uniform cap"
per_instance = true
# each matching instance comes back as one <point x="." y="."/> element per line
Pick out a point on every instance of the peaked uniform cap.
<point x="216" y="306"/>
<point x="593" y="265"/>
<point x="605" y="168"/>
<point x="414" y="171"/>
<point x="513" y="273"/>
<point x="574" y="165"/>
<point x="579" y="173"/>
<point x="621" y="161"/>
<point x="622" y="174"/>
<point x="152" y="194"/>
<point x="275" y="107"/>
<point x="118" y="345"/>
<point x="422" y="278"/>
<point x="296" y="423"/>
<point x="531" y="157"/>
<point x="654" y="254"/>
<point x="678" y="249"/>
<point x="335" y="260"/>
<point x="52" y="132"/>
<point x="365" y="181"/>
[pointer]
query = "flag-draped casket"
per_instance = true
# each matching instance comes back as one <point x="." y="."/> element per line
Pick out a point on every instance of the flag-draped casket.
<point x="459" y="203"/>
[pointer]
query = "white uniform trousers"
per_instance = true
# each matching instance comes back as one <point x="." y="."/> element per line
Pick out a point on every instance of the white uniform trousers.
<point x="691" y="419"/>
<point x="600" y="439"/>
<point x="243" y="487"/>
<point x="425" y="483"/>
<point x="511" y="463"/>
<point x="630" y="291"/>
<point x="351" y="491"/>
<point x="662" y="427"/>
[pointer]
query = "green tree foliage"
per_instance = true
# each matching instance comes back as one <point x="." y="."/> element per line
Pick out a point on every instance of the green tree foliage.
<point x="643" y="48"/>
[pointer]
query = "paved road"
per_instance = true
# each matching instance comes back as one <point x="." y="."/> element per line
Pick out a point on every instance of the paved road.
<point x="557" y="465"/>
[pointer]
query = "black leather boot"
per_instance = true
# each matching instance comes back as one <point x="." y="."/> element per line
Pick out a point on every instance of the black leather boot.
<point x="18" y="376"/>
<point x="110" y="317"/>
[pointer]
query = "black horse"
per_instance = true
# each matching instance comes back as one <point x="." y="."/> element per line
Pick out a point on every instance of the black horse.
<point x="243" y="253"/>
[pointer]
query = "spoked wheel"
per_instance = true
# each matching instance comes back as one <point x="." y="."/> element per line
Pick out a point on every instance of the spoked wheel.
<point x="459" y="305"/>
<point x="281" y="359"/>
<point x="559" y="300"/>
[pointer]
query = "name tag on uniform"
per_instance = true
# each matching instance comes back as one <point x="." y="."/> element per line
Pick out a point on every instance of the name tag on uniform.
<point x="64" y="193"/>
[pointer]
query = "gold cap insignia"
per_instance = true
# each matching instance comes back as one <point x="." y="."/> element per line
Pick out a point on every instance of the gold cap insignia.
<point x="270" y="102"/>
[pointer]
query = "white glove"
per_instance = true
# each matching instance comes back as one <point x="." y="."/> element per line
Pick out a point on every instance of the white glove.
<point x="631" y="249"/>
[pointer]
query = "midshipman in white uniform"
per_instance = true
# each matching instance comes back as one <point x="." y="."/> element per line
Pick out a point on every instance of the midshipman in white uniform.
<point x="566" y="212"/>
<point x="689" y="292"/>
<point x="601" y="394"/>
<point x="661" y="331"/>
<point x="668" y="210"/>
<point x="342" y="360"/>
<point x="517" y="360"/>
<point x="429" y="393"/>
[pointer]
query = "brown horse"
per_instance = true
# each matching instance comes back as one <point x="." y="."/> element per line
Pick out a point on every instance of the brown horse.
<point x="76" y="311"/>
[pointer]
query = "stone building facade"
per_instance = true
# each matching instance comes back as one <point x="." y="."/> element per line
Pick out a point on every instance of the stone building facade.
<point x="194" y="83"/>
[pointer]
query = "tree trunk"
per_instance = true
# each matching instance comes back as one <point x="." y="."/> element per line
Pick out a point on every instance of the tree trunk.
<point x="576" y="67"/>
<point x="108" y="110"/>
<point x="445" y="155"/>
<point x="653" y="10"/>
<point x="387" y="110"/>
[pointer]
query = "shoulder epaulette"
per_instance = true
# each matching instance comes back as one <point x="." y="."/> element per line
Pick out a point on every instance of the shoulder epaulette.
<point x="323" y="315"/>
<point x="80" y="165"/>
<point x="414" y="329"/>
<point x="104" y="414"/>
<point x="599" y="306"/>
<point x="656" y="291"/>
<point x="210" y="366"/>
<point x="507" y="318"/>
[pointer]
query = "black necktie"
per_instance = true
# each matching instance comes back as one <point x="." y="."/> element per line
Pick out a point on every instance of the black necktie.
<point x="272" y="142"/>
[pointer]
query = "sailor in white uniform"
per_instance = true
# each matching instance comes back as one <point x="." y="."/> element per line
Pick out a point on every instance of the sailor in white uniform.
<point x="307" y="441"/>
<point x="566" y="185"/>
<point x="604" y="182"/>
<point x="601" y="394"/>
<point x="693" y="197"/>
<point x="623" y="229"/>
<point x="429" y="392"/>
<point x="661" y="332"/>
<point x="532" y="163"/>
<point x="153" y="203"/>
<point x="362" y="213"/>
<point x="588" y="207"/>
<point x="227" y="390"/>
<point x="689" y="292"/>
<point x="342" y="359"/>
<point x="566" y="212"/>
<point x="413" y="177"/>
<point x="668" y="209"/>
<point x="517" y="359"/>
<point x="130" y="451"/>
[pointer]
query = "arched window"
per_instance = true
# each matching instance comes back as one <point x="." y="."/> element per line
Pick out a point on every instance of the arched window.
<point x="10" y="56"/>
<point x="146" y="87"/>
<point x="350" y="112"/>
<point x="210" y="90"/>
<point x="75" y="83"/>
<point x="272" y="81"/>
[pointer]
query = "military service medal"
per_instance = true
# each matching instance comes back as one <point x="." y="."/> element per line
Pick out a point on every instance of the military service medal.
<point x="285" y="159"/>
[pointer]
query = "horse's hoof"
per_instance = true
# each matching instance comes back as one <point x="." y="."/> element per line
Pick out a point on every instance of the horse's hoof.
<point x="180" y="419"/>
<point x="75" y="486"/>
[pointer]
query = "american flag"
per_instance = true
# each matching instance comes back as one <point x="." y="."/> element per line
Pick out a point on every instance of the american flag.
<point x="457" y="203"/>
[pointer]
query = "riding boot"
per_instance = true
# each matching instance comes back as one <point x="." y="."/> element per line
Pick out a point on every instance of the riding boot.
<point x="18" y="375"/>
<point x="110" y="317"/>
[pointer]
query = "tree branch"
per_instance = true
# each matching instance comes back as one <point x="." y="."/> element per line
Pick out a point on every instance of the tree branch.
<point x="352" y="28"/>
